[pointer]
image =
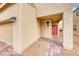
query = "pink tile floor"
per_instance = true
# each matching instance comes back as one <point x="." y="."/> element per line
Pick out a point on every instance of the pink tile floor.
<point x="55" y="48"/>
<point x="45" y="47"/>
<point x="6" y="50"/>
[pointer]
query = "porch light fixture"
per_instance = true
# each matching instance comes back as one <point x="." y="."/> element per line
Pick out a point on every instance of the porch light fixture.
<point x="13" y="18"/>
<point x="47" y="23"/>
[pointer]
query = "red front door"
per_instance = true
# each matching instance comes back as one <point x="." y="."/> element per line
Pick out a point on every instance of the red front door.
<point x="54" y="29"/>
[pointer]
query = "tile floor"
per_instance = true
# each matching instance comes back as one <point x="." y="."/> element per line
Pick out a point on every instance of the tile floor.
<point x="44" y="47"/>
<point x="7" y="50"/>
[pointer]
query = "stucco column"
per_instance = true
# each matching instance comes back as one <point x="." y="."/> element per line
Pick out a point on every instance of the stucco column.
<point x="68" y="27"/>
<point x="17" y="31"/>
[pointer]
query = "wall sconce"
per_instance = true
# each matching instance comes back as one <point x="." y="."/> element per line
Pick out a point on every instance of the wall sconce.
<point x="13" y="18"/>
<point x="47" y="23"/>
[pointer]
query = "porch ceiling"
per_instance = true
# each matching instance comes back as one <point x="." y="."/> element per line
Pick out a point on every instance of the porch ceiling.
<point x="54" y="17"/>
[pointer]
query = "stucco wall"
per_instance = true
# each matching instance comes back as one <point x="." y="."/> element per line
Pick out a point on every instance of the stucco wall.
<point x="6" y="33"/>
<point x="76" y="21"/>
<point x="6" y="29"/>
<point x="60" y="27"/>
<point x="23" y="32"/>
<point x="25" y="27"/>
<point x="46" y="31"/>
<point x="12" y="35"/>
<point x="68" y="27"/>
<point x="28" y="26"/>
<point x="49" y="8"/>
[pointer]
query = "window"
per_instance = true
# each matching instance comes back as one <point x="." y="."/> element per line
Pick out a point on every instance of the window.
<point x="77" y="13"/>
<point x="74" y="27"/>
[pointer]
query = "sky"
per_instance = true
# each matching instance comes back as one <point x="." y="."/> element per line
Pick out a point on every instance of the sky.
<point x="75" y="5"/>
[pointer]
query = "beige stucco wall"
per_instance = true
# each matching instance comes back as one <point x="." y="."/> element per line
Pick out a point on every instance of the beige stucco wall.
<point x="68" y="27"/>
<point x="29" y="32"/>
<point x="60" y="27"/>
<point x="6" y="33"/>
<point x="26" y="27"/>
<point x="39" y="28"/>
<point x="46" y="31"/>
<point x="76" y="21"/>
<point x="12" y="35"/>
<point x="6" y="29"/>
<point x="49" y="8"/>
<point x="23" y="32"/>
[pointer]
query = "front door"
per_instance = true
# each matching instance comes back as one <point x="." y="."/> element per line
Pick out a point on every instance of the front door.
<point x="54" y="29"/>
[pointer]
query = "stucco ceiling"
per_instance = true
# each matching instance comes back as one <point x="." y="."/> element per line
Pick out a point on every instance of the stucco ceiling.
<point x="54" y="17"/>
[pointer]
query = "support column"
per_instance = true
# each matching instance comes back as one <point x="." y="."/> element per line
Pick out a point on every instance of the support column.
<point x="17" y="30"/>
<point x="68" y="27"/>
